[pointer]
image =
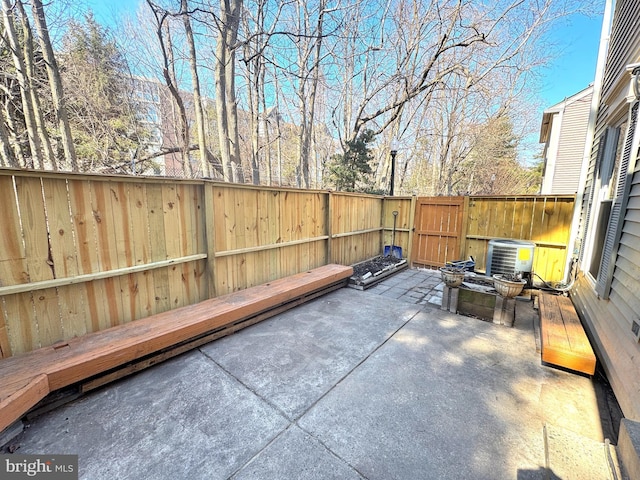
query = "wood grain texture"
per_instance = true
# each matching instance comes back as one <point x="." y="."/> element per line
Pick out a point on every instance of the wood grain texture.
<point x="564" y="341"/>
<point x="26" y="391"/>
<point x="545" y="220"/>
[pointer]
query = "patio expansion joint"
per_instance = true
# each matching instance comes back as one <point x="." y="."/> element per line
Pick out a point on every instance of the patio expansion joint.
<point x="331" y="452"/>
<point x="231" y="375"/>
<point x="295" y="420"/>
<point x="357" y="365"/>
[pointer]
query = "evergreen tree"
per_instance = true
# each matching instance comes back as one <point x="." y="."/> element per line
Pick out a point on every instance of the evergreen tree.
<point x="350" y="171"/>
<point x="104" y="116"/>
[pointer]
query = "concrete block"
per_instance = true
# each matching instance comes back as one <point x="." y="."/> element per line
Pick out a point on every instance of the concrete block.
<point x="450" y="299"/>
<point x="629" y="447"/>
<point x="504" y="311"/>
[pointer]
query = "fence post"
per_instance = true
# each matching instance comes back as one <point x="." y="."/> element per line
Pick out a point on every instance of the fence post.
<point x="329" y="226"/>
<point x="464" y="228"/>
<point x="209" y="231"/>
<point x="412" y="223"/>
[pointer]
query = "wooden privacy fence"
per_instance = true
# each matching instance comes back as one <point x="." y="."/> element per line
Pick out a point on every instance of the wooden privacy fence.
<point x="454" y="228"/>
<point x="81" y="253"/>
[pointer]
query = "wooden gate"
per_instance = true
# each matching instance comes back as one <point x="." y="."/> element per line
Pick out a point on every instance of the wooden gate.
<point x="438" y="231"/>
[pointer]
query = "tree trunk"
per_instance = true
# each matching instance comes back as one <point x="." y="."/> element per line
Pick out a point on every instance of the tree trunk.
<point x="7" y="157"/>
<point x="256" y="119"/>
<point x="308" y="103"/>
<point x="221" y="111"/>
<point x="29" y="58"/>
<point x="55" y="82"/>
<point x="226" y="108"/>
<point x="169" y="77"/>
<point x="25" y="95"/>
<point x="12" y="135"/>
<point x="197" y="101"/>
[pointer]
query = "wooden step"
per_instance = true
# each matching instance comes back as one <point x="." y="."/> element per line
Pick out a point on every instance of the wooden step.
<point x="28" y="378"/>
<point x="564" y="341"/>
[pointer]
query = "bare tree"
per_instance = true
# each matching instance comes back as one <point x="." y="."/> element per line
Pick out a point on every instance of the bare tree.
<point x="253" y="62"/>
<point x="55" y="83"/>
<point x="49" y="159"/>
<point x="227" y="24"/>
<point x="7" y="156"/>
<point x="35" y="144"/>
<point x="163" y="34"/>
<point x="195" y="81"/>
<point x="309" y="62"/>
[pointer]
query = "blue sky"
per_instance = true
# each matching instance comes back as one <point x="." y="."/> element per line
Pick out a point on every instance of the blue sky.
<point x="574" y="68"/>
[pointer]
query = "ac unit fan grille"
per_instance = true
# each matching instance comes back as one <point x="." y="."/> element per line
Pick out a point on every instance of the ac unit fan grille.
<point x="503" y="260"/>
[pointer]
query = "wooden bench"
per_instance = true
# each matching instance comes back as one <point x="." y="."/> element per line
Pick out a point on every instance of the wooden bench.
<point x="564" y="341"/>
<point x="103" y="356"/>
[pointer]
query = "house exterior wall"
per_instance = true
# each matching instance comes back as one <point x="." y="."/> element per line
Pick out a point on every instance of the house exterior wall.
<point x="551" y="154"/>
<point x="607" y="292"/>
<point x="564" y="132"/>
<point x="570" y="153"/>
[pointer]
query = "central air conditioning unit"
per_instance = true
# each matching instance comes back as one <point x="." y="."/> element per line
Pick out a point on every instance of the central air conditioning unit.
<point x="510" y="256"/>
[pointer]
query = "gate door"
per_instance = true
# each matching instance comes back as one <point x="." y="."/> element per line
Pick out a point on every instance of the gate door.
<point x="438" y="231"/>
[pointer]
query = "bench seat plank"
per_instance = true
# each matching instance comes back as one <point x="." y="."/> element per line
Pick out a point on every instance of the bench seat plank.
<point x="564" y="341"/>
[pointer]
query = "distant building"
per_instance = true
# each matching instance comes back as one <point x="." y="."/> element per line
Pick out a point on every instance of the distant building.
<point x="564" y="133"/>
<point x="159" y="115"/>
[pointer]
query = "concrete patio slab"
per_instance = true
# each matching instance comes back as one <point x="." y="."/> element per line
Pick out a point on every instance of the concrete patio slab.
<point x="350" y="385"/>
<point x="444" y="398"/>
<point x="295" y="360"/>
<point x="185" y="418"/>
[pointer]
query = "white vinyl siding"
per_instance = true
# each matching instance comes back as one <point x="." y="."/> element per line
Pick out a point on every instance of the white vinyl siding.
<point x="568" y="163"/>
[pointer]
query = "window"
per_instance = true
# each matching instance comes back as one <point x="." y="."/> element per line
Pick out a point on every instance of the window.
<point x="608" y="162"/>
<point x="612" y="189"/>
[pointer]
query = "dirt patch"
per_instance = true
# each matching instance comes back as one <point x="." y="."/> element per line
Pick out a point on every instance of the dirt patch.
<point x="374" y="265"/>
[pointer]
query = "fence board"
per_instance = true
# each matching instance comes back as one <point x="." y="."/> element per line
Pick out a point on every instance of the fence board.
<point x="173" y="242"/>
<point x="143" y="284"/>
<point x="545" y="220"/>
<point x="34" y="228"/>
<point x="13" y="264"/>
<point x="158" y="248"/>
<point x="5" y="346"/>
<point x="21" y="325"/>
<point x="107" y="253"/>
<point x="73" y="298"/>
